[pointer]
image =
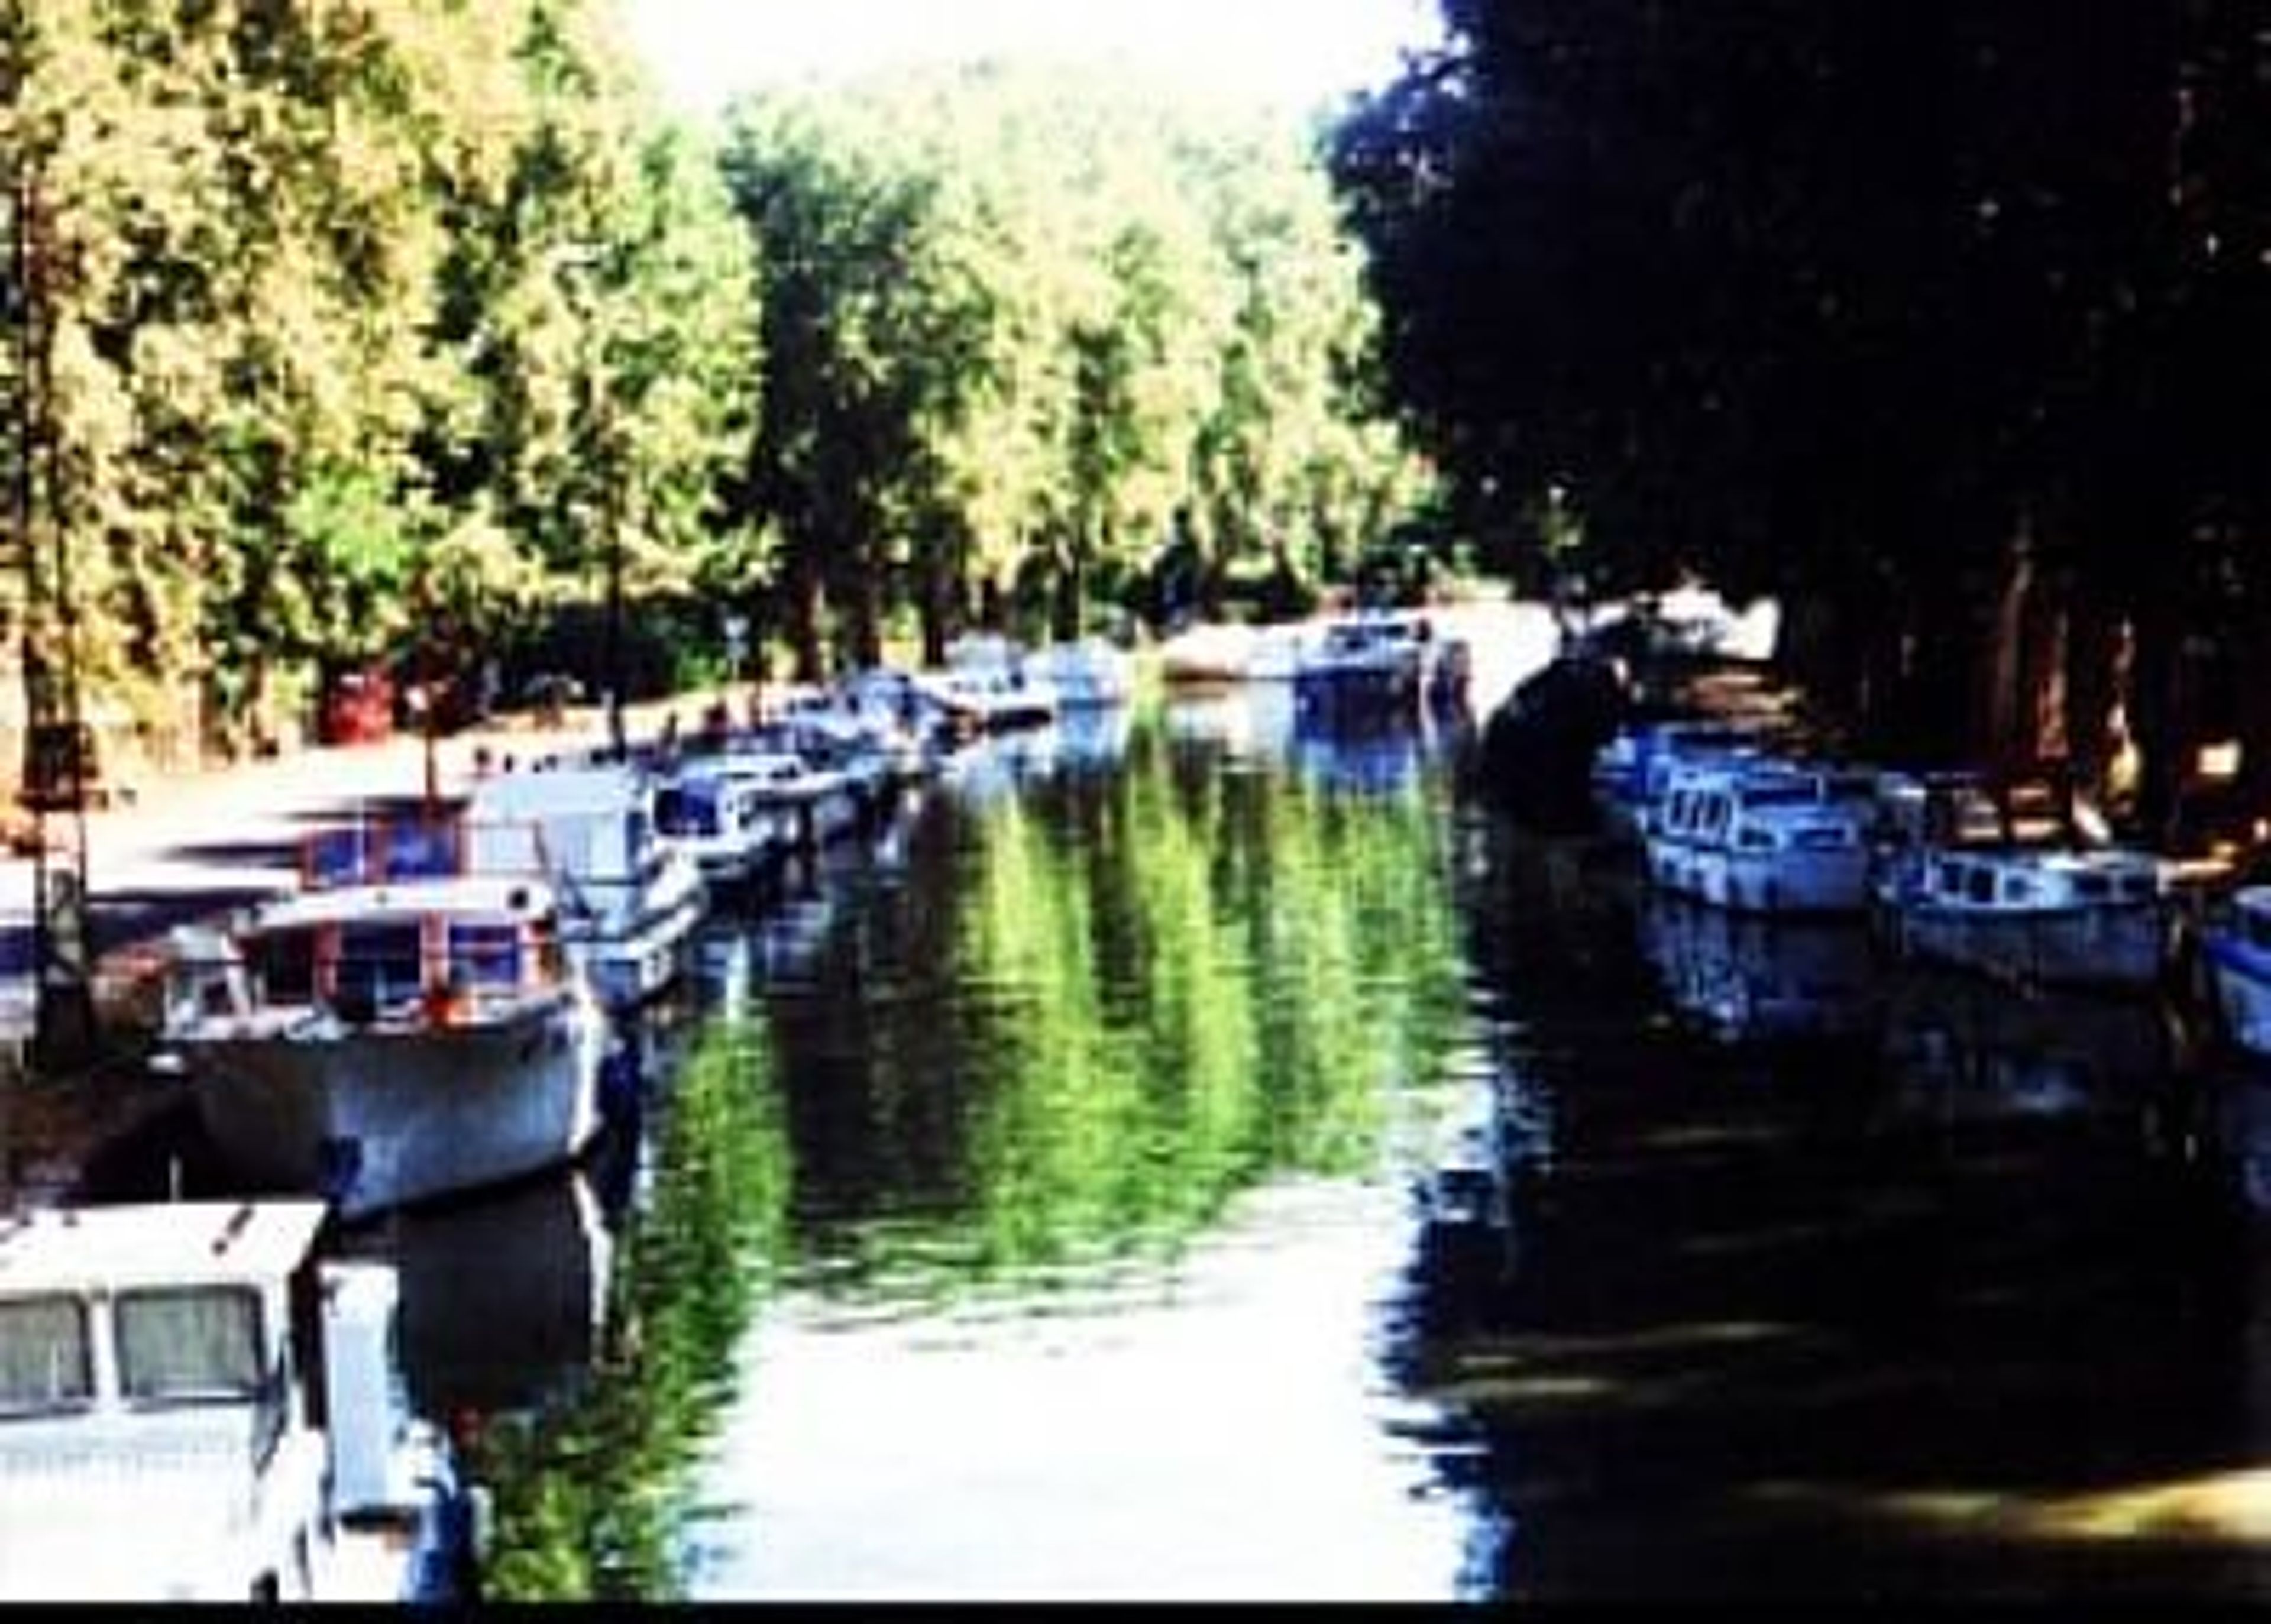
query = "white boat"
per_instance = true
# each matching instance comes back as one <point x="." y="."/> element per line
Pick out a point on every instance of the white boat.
<point x="734" y="833"/>
<point x="630" y="896"/>
<point x="1631" y="772"/>
<point x="994" y="698"/>
<point x="2036" y="915"/>
<point x="389" y="1038"/>
<point x="193" y="1407"/>
<point x="2237" y="947"/>
<point x="808" y="805"/>
<point x="1764" y="835"/>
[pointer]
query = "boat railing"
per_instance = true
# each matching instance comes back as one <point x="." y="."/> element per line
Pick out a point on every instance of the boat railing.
<point x="383" y="851"/>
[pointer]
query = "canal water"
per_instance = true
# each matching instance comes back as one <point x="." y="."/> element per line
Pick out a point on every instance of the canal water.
<point x="1187" y="1156"/>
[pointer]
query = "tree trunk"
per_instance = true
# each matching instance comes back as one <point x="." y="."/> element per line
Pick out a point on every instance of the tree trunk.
<point x="2158" y="708"/>
<point x="2096" y="670"/>
<point x="2000" y="715"/>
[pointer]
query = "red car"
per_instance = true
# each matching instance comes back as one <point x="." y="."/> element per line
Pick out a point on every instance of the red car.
<point x="359" y="709"/>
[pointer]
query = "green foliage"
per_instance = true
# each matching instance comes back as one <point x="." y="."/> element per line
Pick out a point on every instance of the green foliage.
<point x="1016" y="324"/>
<point x="358" y="316"/>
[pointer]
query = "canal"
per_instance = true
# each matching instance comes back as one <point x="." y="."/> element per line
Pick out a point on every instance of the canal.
<point x="1189" y="1158"/>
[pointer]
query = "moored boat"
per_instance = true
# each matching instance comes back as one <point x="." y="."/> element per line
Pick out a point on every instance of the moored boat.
<point x="630" y="896"/>
<point x="2049" y="915"/>
<point x="2236" y="946"/>
<point x="1366" y="662"/>
<point x="1764" y="835"/>
<point x="193" y="1407"/>
<point x="718" y="815"/>
<point x="388" y="1037"/>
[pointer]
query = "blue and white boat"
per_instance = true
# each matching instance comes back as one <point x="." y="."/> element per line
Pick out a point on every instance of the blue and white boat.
<point x="720" y="818"/>
<point x="630" y="896"/>
<point x="1765" y="835"/>
<point x="1369" y="662"/>
<point x="2048" y="915"/>
<point x="2238" y="948"/>
<point x="1630" y="771"/>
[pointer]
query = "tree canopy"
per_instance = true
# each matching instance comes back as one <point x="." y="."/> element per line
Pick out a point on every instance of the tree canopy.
<point x="361" y="331"/>
<point x="1906" y="315"/>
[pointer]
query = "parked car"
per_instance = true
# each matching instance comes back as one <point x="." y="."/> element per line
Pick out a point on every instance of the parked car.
<point x="359" y="709"/>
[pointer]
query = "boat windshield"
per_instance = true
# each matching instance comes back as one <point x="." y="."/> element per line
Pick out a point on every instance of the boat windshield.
<point x="284" y="962"/>
<point x="46" y="1357"/>
<point x="379" y="963"/>
<point x="484" y="953"/>
<point x="189" y="1344"/>
<point x="688" y="808"/>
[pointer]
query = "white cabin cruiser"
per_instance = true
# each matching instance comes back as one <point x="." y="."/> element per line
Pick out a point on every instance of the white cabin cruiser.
<point x="630" y="896"/>
<point x="1764" y="835"/>
<point x="194" y="1408"/>
<point x="396" y="1032"/>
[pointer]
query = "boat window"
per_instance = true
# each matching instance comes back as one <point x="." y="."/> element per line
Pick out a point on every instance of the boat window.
<point x="484" y="954"/>
<point x="339" y="856"/>
<point x="1982" y="885"/>
<point x="422" y="851"/>
<point x="379" y="963"/>
<point x="46" y="1360"/>
<point x="180" y="1344"/>
<point x="2255" y="929"/>
<point x="2092" y="887"/>
<point x="284" y="963"/>
<point x="687" y="809"/>
<point x="1753" y="838"/>
<point x="1779" y="794"/>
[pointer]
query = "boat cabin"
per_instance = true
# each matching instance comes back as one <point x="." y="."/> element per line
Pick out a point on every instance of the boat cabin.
<point x="429" y="951"/>
<point x="2031" y="881"/>
<point x="192" y="1407"/>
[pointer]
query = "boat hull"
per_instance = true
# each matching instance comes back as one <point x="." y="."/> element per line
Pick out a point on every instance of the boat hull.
<point x="632" y="948"/>
<point x="2104" y="946"/>
<point x="386" y="1115"/>
<point x="2241" y="977"/>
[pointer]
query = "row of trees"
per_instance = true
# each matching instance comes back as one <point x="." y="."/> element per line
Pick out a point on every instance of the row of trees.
<point x="1946" y="323"/>
<point x="342" y="325"/>
<point x="351" y="327"/>
<point x="1030" y="340"/>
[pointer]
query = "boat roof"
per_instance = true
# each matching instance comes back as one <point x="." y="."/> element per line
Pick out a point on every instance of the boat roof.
<point x="484" y="896"/>
<point x="156" y="1243"/>
<point x="606" y="788"/>
<point x="2007" y="853"/>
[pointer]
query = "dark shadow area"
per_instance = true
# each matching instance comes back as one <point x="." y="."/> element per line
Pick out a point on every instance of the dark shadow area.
<point x="1832" y="1321"/>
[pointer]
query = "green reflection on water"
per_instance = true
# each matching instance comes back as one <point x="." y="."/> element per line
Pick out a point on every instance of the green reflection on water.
<point x="1162" y="988"/>
<point x="1082" y="1026"/>
<point x="591" y="1496"/>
